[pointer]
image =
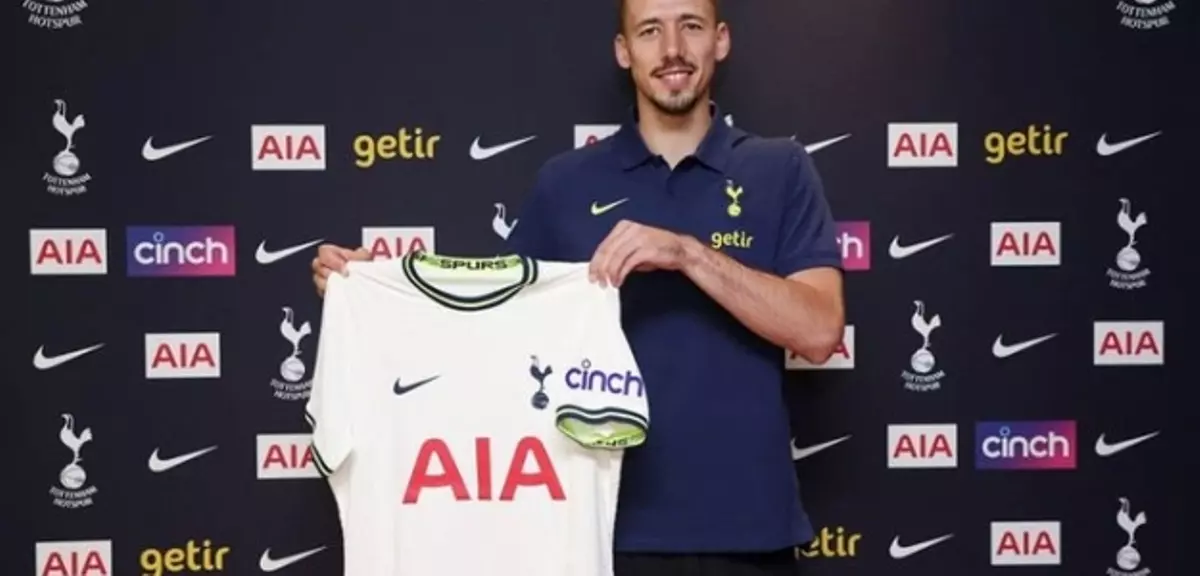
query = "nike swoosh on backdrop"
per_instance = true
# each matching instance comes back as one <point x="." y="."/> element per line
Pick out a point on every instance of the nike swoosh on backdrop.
<point x="157" y="465"/>
<point x="597" y="209"/>
<point x="1103" y="148"/>
<point x="484" y="152"/>
<point x="1002" y="350"/>
<point x="805" y="452"/>
<point x="268" y="564"/>
<point x="898" y="551"/>
<point x="399" y="388"/>
<point x="149" y="152"/>
<point x="897" y="252"/>
<point x="810" y="148"/>
<point x="1105" y="449"/>
<point x="43" y="362"/>
<point x="265" y="256"/>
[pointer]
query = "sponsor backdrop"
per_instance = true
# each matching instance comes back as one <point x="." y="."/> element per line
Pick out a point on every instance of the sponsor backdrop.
<point x="999" y="172"/>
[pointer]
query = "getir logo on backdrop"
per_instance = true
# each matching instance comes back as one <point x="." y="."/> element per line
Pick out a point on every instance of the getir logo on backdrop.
<point x="285" y="456"/>
<point x="1045" y="445"/>
<point x="923" y="145"/>
<point x="68" y="251"/>
<point x="592" y="133"/>
<point x="1034" y="140"/>
<point x="183" y="355"/>
<point x="922" y="445"/>
<point x="191" y="557"/>
<point x="287" y="147"/>
<point x="74" y="558"/>
<point x="1026" y="543"/>
<point x="1026" y="244"/>
<point x="854" y="238"/>
<point x="388" y="243"/>
<point x="181" y="251"/>
<point x="405" y="144"/>
<point x="841" y="359"/>
<point x="835" y="542"/>
<point x="1124" y="343"/>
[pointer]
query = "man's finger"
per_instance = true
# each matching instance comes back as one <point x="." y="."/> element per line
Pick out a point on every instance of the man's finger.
<point x="619" y="254"/>
<point x="635" y="258"/>
<point x="605" y="253"/>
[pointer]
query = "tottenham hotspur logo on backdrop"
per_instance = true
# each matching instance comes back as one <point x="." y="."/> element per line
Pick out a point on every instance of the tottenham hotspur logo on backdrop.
<point x="923" y="377"/>
<point x="1127" y="276"/>
<point x="55" y="14"/>
<point x="1128" y="557"/>
<point x="74" y="492"/>
<point x="67" y="180"/>
<point x="294" y="386"/>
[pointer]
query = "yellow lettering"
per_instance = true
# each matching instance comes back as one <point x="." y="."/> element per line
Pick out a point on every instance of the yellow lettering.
<point x="191" y="557"/>
<point x="405" y="144"/>
<point x="1033" y="141"/>
<point x="833" y="543"/>
<point x="734" y="239"/>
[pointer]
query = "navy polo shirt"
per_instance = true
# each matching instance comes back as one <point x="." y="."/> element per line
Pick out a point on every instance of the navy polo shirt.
<point x="715" y="473"/>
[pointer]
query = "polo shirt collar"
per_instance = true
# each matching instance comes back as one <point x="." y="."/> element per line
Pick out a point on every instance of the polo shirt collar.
<point x="713" y="151"/>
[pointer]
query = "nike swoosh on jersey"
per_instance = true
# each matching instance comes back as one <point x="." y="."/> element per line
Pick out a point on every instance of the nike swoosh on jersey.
<point x="810" y="148"/>
<point x="598" y="209"/>
<point x="162" y="465"/>
<point x="149" y="152"/>
<point x="1105" y="449"/>
<point x="268" y="564"/>
<point x="802" y="453"/>
<point x="1002" y="350"/>
<point x="484" y="152"/>
<point x="265" y="256"/>
<point x="43" y="362"/>
<point x="400" y="388"/>
<point x="1103" y="148"/>
<point x="898" y="551"/>
<point x="897" y="252"/>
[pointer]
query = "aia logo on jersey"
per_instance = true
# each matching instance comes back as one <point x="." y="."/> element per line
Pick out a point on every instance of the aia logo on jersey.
<point x="74" y="558"/>
<point x="922" y="145"/>
<point x="388" y="243"/>
<point x="71" y="251"/>
<point x="922" y="445"/>
<point x="1026" y="244"/>
<point x="285" y="456"/>
<point x="183" y="355"/>
<point x="592" y="133"/>
<point x="181" y="251"/>
<point x="529" y="469"/>
<point x="1127" y="343"/>
<point x="842" y="358"/>
<point x="1026" y="543"/>
<point x="854" y="238"/>
<point x="287" y="147"/>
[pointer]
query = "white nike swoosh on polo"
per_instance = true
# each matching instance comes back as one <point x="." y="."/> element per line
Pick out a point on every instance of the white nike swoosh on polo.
<point x="162" y="465"/>
<point x="149" y="152"/>
<point x="43" y="362"/>
<point x="1002" y="350"/>
<point x="802" y="453"/>
<point x="265" y="256"/>
<point x="268" y="564"/>
<point x="897" y="252"/>
<point x="810" y="148"/>
<point x="483" y="153"/>
<point x="1104" y="148"/>
<point x="898" y="551"/>
<point x="1105" y="449"/>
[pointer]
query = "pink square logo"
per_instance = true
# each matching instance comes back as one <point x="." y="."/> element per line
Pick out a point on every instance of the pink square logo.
<point x="854" y="239"/>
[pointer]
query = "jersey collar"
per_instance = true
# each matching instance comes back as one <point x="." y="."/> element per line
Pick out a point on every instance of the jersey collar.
<point x="714" y="150"/>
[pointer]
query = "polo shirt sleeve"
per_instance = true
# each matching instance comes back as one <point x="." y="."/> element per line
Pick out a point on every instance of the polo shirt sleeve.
<point x="808" y="238"/>
<point x="329" y="405"/>
<point x="531" y="236"/>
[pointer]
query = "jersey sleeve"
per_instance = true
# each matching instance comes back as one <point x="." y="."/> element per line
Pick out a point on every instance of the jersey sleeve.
<point x="328" y="407"/>
<point x="808" y="238"/>
<point x="604" y="397"/>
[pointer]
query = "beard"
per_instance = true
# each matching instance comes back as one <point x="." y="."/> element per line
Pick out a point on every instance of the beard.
<point x="678" y="104"/>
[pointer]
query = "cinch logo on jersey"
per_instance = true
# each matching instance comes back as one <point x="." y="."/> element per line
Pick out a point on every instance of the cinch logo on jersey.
<point x="1045" y="445"/>
<point x="854" y="238"/>
<point x="287" y="147"/>
<point x="285" y="456"/>
<point x="1151" y="15"/>
<point x="1124" y="343"/>
<point x="181" y="251"/>
<point x="68" y="251"/>
<point x="922" y="445"/>
<point x="405" y="144"/>
<point x="183" y="355"/>
<point x="1026" y="543"/>
<point x="74" y="558"/>
<point x="1033" y="141"/>
<point x="538" y="478"/>
<point x="388" y="243"/>
<point x="190" y="558"/>
<point x="922" y="145"/>
<point x="1026" y="244"/>
<point x="591" y="379"/>
<point x="841" y="359"/>
<point x="835" y="542"/>
<point x="592" y="133"/>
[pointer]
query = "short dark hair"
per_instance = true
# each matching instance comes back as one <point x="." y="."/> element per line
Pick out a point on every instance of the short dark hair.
<point x="716" y="4"/>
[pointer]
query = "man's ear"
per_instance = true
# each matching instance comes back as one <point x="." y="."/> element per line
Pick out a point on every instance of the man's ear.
<point x="621" y="51"/>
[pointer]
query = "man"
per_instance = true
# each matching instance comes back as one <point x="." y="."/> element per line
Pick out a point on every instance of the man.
<point x="723" y="246"/>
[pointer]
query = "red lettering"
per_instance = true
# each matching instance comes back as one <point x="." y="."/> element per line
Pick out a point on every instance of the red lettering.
<point x="290" y="456"/>
<point x="923" y="145"/>
<point x="380" y="248"/>
<point x="69" y="252"/>
<point x="1026" y="244"/>
<point x="923" y="447"/>
<point x="1026" y="544"/>
<point x="543" y="473"/>
<point x="182" y="356"/>
<point x="91" y="564"/>
<point x="290" y="149"/>
<point x="1123" y="344"/>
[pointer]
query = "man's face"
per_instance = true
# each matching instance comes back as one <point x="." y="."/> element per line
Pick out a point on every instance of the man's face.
<point x="671" y="48"/>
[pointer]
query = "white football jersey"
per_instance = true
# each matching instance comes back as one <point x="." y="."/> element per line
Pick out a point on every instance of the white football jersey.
<point x="470" y="416"/>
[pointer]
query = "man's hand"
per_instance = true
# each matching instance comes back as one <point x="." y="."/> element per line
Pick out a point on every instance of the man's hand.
<point x="631" y="246"/>
<point x="331" y="259"/>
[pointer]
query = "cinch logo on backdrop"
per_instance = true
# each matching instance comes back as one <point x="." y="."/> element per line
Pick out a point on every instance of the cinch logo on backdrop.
<point x="854" y="238"/>
<point x="287" y="147"/>
<point x="1026" y="244"/>
<point x="922" y="445"/>
<point x="181" y="250"/>
<point x="841" y="359"/>
<point x="285" y="456"/>
<point x="922" y="145"/>
<point x="1032" y="141"/>
<point x="183" y="355"/>
<point x="1026" y="543"/>
<point x="388" y="243"/>
<point x="74" y="558"/>
<point x="1045" y="445"/>
<point x="835" y="542"/>
<point x="191" y="557"/>
<point x="405" y="144"/>
<point x="66" y="252"/>
<point x="592" y="133"/>
<point x="1127" y="343"/>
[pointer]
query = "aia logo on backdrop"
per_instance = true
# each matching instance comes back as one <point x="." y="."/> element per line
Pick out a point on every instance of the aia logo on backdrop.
<point x="1026" y="244"/>
<point x="287" y="147"/>
<point x="922" y="445"/>
<point x="854" y="238"/>
<point x="388" y="243"/>
<point x="1128" y="343"/>
<point x="591" y="133"/>
<point x="68" y="252"/>
<point x="285" y="456"/>
<point x="74" y="558"/>
<point x="181" y="251"/>
<point x="1026" y="543"/>
<point x="922" y="145"/>
<point x="1047" y="445"/>
<point x="842" y="358"/>
<point x="183" y="355"/>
